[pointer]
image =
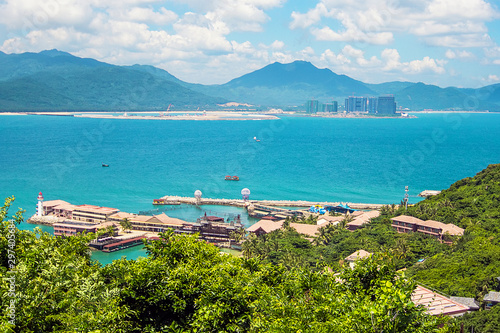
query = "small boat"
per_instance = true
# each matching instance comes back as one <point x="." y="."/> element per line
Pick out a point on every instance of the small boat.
<point x="235" y="178"/>
<point x="255" y="138"/>
<point x="105" y="165"/>
<point x="231" y="178"/>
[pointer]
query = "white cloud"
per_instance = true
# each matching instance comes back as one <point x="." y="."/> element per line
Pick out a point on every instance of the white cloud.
<point x="460" y="9"/>
<point x="450" y="54"/>
<point x="334" y="59"/>
<point x="145" y="15"/>
<point x="244" y="15"/>
<point x="277" y="45"/>
<point x="460" y="41"/>
<point x="393" y="62"/>
<point x="449" y="23"/>
<point x="352" y="34"/>
<point x="28" y="15"/>
<point x="426" y="64"/>
<point x="392" y="59"/>
<point x="492" y="52"/>
<point x="311" y="17"/>
<point x="492" y="78"/>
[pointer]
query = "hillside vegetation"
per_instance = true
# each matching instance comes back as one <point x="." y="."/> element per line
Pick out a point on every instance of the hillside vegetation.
<point x="185" y="285"/>
<point x="55" y="81"/>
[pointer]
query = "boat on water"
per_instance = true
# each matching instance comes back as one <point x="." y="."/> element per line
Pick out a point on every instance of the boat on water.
<point x="105" y="165"/>
<point x="231" y="178"/>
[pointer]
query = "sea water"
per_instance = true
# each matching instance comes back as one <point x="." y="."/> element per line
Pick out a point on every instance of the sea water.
<point x="362" y="160"/>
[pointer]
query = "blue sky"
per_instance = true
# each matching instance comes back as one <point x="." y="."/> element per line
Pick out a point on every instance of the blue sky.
<point x="442" y="42"/>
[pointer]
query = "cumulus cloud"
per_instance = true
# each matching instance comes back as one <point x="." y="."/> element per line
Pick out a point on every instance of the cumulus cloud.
<point x="145" y="15"/>
<point x="311" y="17"/>
<point x="449" y="23"/>
<point x="144" y="31"/>
<point x="393" y="62"/>
<point x="492" y="78"/>
<point x="334" y="59"/>
<point x="450" y="54"/>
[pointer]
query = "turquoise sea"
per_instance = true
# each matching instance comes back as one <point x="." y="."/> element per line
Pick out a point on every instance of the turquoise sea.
<point x="334" y="159"/>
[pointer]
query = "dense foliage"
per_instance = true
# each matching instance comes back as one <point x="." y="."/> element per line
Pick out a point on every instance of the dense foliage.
<point x="187" y="285"/>
<point x="334" y="243"/>
<point x="473" y="263"/>
<point x="469" y="267"/>
<point x="482" y="321"/>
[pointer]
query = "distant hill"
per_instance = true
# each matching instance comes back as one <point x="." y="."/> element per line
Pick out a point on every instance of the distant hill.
<point x="421" y="96"/>
<point x="288" y="84"/>
<point x="55" y="80"/>
<point x="389" y="88"/>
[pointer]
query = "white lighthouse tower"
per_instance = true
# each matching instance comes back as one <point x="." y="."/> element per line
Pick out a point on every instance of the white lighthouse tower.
<point x="39" y="206"/>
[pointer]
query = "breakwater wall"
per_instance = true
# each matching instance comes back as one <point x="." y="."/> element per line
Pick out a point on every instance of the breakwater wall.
<point x="276" y="203"/>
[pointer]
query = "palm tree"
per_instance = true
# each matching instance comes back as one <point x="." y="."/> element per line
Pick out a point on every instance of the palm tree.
<point x="250" y="246"/>
<point x="345" y="221"/>
<point x="126" y="224"/>
<point x="237" y="235"/>
<point x="402" y="247"/>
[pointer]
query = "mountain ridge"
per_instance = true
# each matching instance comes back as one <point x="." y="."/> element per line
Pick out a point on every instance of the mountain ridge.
<point x="69" y="80"/>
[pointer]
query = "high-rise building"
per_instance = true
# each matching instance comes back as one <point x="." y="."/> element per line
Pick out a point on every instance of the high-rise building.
<point x="312" y="106"/>
<point x="372" y="104"/>
<point x="356" y="104"/>
<point x="331" y="107"/>
<point x="386" y="105"/>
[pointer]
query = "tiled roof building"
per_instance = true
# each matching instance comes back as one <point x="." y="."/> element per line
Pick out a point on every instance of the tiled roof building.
<point x="438" y="230"/>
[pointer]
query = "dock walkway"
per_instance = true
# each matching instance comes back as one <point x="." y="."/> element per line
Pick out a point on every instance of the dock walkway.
<point x="276" y="203"/>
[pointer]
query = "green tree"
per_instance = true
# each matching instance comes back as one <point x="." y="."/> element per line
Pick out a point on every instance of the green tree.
<point x="126" y="224"/>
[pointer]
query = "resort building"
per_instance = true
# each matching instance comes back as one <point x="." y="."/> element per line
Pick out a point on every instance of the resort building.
<point x="436" y="304"/>
<point x="470" y="302"/>
<point x="93" y="214"/>
<point x="58" y="208"/>
<point x="71" y="228"/>
<point x="265" y="226"/>
<point x="492" y="298"/>
<point x="438" y="230"/>
<point x="360" y="254"/>
<point x="361" y="219"/>
<point x="310" y="230"/>
<point x="328" y="219"/>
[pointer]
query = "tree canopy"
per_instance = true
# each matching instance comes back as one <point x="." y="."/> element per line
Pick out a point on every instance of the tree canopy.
<point x="187" y="285"/>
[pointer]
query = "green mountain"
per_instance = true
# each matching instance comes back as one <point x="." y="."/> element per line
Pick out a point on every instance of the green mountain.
<point x="389" y="88"/>
<point x="288" y="84"/>
<point x="469" y="267"/>
<point x="470" y="201"/>
<point x="57" y="81"/>
<point x="420" y="96"/>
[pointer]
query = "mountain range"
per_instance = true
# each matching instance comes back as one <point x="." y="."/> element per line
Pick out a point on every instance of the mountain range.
<point x="58" y="81"/>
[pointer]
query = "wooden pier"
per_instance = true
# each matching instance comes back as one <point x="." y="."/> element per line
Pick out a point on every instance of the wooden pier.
<point x="275" y="203"/>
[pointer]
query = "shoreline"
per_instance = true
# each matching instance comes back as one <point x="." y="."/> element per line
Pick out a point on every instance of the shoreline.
<point x="275" y="203"/>
<point x="264" y="114"/>
<point x="184" y="115"/>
